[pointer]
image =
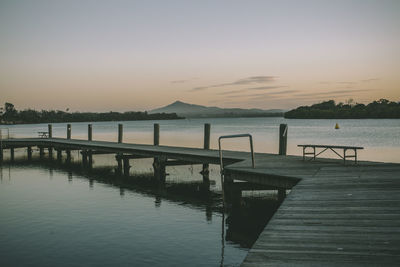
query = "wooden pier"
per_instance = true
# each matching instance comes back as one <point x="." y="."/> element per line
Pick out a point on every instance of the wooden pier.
<point x="335" y="214"/>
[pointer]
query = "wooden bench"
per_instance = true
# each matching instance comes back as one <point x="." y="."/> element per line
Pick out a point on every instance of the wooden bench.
<point x="43" y="134"/>
<point x="330" y="147"/>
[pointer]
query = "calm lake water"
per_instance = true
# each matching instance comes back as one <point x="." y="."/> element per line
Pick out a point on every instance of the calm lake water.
<point x="380" y="138"/>
<point x="54" y="216"/>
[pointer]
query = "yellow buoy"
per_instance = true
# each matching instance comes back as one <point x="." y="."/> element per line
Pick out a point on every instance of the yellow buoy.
<point x="337" y="126"/>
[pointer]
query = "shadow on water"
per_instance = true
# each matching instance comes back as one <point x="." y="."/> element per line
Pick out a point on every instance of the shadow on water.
<point x="241" y="224"/>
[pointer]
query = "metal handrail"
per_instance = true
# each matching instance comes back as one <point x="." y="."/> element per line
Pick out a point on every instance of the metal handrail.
<point x="222" y="163"/>
<point x="235" y="136"/>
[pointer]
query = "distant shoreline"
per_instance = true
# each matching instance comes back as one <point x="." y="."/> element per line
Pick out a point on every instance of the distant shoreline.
<point x="11" y="116"/>
<point x="381" y="109"/>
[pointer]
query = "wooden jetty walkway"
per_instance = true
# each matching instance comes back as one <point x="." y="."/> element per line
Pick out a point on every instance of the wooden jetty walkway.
<point x="335" y="214"/>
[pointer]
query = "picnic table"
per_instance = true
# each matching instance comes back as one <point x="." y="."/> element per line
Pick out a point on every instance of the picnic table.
<point x="43" y="134"/>
<point x="332" y="148"/>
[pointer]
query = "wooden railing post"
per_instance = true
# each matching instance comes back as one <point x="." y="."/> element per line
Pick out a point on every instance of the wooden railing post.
<point x="1" y="146"/>
<point x="50" y="130"/>
<point x="88" y="154"/>
<point x="12" y="154"/>
<point x="68" y="131"/>
<point x="50" y="134"/>
<point x="283" y="130"/>
<point x="156" y="134"/>
<point x="205" y="171"/>
<point x="68" y="152"/>
<point x="120" y="133"/>
<point x="29" y="153"/>
<point x="90" y="136"/>
<point x="159" y="162"/>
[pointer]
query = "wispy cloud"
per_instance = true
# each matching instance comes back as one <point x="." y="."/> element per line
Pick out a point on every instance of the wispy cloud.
<point x="264" y="95"/>
<point x="251" y="89"/>
<point x="244" y="81"/>
<point x="370" y="80"/>
<point x="274" y="94"/>
<point x="346" y="83"/>
<point x="179" y="81"/>
<point x="183" y="80"/>
<point x="342" y="83"/>
<point x="267" y="87"/>
<point x="335" y="92"/>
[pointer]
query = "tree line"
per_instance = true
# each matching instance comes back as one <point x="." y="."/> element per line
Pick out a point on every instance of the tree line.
<point x="9" y="115"/>
<point x="380" y="109"/>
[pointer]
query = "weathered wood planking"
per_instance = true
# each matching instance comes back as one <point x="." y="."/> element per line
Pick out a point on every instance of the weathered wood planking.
<point x="340" y="216"/>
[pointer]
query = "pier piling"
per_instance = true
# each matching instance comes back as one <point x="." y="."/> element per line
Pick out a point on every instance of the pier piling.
<point x="90" y="131"/>
<point x="281" y="194"/>
<point x="89" y="156"/>
<point x="68" y="137"/>
<point x="41" y="152"/>
<point x="50" y="134"/>
<point x="29" y="150"/>
<point x="156" y="134"/>
<point x="126" y="166"/>
<point x="205" y="172"/>
<point x="59" y="155"/>
<point x="1" y="146"/>
<point x="283" y="129"/>
<point x="84" y="158"/>
<point x="159" y="163"/>
<point x="68" y="131"/>
<point x="120" y="133"/>
<point x="12" y="154"/>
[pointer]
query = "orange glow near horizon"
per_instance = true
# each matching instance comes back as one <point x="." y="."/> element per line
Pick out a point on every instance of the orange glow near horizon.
<point x="130" y="56"/>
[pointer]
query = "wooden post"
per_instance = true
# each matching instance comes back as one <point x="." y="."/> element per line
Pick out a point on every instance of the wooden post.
<point x="281" y="194"/>
<point x="59" y="155"/>
<point x="41" y="152"/>
<point x="90" y="159"/>
<point x="159" y="162"/>
<point x="119" y="162"/>
<point x="88" y="154"/>
<point x="50" y="134"/>
<point x="283" y="129"/>
<point x="205" y="171"/>
<point x="50" y="130"/>
<point x="50" y="153"/>
<point x="89" y="132"/>
<point x="29" y="153"/>
<point x="68" y="137"/>
<point x="68" y="131"/>
<point x="84" y="157"/>
<point x="156" y="134"/>
<point x="160" y="168"/>
<point x="1" y="146"/>
<point x="12" y="154"/>
<point x="126" y="167"/>
<point x="120" y="132"/>
<point x="68" y="156"/>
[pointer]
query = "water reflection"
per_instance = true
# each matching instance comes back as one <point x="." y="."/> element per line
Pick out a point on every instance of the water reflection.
<point x="241" y="224"/>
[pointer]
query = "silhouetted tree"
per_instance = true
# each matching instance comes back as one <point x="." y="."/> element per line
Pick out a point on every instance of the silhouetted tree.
<point x="11" y="115"/>
<point x="382" y="108"/>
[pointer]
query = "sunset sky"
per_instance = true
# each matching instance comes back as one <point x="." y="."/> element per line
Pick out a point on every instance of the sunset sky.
<point x="139" y="55"/>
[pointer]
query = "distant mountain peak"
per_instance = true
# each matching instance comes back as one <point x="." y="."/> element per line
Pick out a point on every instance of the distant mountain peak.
<point x="178" y="102"/>
<point x="192" y="110"/>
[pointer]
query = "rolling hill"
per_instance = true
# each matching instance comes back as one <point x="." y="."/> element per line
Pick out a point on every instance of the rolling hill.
<point x="198" y="111"/>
